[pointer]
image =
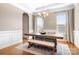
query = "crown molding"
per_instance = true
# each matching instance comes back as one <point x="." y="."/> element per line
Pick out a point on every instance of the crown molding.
<point x="55" y="9"/>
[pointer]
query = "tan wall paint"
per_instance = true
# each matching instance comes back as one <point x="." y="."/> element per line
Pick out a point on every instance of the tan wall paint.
<point x="50" y="22"/>
<point x="10" y="25"/>
<point x="77" y="16"/>
<point x="10" y="17"/>
<point x="76" y="22"/>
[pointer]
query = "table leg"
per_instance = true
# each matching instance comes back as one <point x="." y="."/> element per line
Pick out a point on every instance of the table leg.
<point x="55" y="44"/>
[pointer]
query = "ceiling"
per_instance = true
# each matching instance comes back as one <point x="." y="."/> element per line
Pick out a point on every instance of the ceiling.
<point x="35" y="5"/>
<point x="32" y="5"/>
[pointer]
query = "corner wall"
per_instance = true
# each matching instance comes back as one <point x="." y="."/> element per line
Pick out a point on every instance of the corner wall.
<point x="10" y="25"/>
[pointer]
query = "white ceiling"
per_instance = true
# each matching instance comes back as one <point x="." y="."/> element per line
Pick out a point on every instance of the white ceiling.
<point x="33" y="5"/>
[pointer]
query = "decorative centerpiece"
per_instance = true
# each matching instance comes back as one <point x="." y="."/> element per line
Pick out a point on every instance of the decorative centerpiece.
<point x="42" y="32"/>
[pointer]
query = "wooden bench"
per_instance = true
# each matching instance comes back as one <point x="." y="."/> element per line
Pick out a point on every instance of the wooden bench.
<point x="44" y="43"/>
<point x="50" y="45"/>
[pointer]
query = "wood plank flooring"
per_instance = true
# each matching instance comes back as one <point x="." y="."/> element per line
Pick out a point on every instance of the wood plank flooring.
<point x="13" y="51"/>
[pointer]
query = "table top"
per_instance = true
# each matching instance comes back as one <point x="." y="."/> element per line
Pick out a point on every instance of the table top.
<point x="58" y="36"/>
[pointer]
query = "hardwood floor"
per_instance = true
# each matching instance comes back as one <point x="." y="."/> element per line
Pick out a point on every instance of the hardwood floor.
<point x="13" y="51"/>
<point x="74" y="50"/>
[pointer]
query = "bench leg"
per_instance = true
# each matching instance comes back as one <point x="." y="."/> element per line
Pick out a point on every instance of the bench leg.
<point x="54" y="50"/>
<point x="30" y="44"/>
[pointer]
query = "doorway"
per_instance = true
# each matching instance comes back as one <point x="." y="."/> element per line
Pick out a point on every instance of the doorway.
<point x="25" y="25"/>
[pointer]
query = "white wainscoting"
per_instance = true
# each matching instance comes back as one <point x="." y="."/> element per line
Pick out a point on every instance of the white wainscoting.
<point x="76" y="38"/>
<point x="8" y="38"/>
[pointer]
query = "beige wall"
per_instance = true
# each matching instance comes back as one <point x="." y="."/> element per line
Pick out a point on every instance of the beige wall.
<point x="10" y="17"/>
<point x="77" y="16"/>
<point x="10" y="25"/>
<point x="50" y="22"/>
<point x="76" y="22"/>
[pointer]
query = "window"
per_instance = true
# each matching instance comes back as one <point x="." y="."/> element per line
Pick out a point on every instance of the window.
<point x="61" y="20"/>
<point x="40" y="23"/>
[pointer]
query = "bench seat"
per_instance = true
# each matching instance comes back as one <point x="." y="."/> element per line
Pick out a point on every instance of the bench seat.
<point x="43" y="43"/>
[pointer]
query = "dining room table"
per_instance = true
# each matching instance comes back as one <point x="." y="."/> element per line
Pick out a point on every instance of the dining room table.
<point x="54" y="37"/>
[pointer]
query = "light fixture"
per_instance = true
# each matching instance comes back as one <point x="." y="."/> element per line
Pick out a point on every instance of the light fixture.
<point x="39" y="14"/>
<point x="47" y="14"/>
<point x="43" y="14"/>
